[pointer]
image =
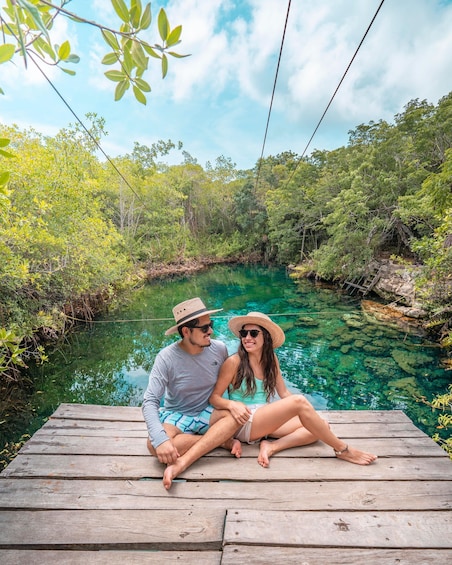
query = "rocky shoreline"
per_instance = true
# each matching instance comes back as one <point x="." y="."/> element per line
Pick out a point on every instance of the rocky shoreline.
<point x="395" y="302"/>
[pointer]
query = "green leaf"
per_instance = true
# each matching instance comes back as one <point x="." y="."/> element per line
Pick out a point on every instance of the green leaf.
<point x="35" y="15"/>
<point x="150" y="51"/>
<point x="121" y="87"/>
<point x="135" y="12"/>
<point x="110" y="59"/>
<point x="142" y="85"/>
<point x="73" y="58"/>
<point x="138" y="56"/>
<point x="139" y="95"/>
<point x="6" y="154"/>
<point x="42" y="45"/>
<point x="164" y="65"/>
<point x="146" y="18"/>
<point x="110" y="38"/>
<point x="177" y="55"/>
<point x="121" y="9"/>
<point x="64" y="51"/>
<point x="163" y="24"/>
<point x="2" y="91"/>
<point x="174" y="36"/>
<point x="127" y="63"/>
<point x="115" y="76"/>
<point x="20" y="39"/>
<point x="4" y="142"/>
<point x="4" y="178"/>
<point x="68" y="71"/>
<point x="6" y="52"/>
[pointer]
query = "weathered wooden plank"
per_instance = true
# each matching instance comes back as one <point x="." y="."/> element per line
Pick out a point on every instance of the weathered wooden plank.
<point x="311" y="495"/>
<point x="240" y="555"/>
<point x="403" y="529"/>
<point x="229" y="468"/>
<point x="99" y="412"/>
<point x="112" y="529"/>
<point x="133" y="413"/>
<point x="138" y="429"/>
<point x="286" y="469"/>
<point x="58" y="557"/>
<point x="84" y="426"/>
<point x="79" y="445"/>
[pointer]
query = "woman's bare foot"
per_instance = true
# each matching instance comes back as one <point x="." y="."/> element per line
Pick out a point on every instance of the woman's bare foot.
<point x="356" y="456"/>
<point x="234" y="446"/>
<point x="265" y="452"/>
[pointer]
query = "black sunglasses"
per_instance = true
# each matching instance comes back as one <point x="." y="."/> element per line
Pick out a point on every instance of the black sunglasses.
<point x="253" y="333"/>
<point x="204" y="328"/>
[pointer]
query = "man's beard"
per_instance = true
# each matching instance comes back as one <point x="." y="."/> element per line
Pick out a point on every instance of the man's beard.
<point x="200" y="344"/>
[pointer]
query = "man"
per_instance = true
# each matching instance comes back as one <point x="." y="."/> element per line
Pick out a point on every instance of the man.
<point x="184" y="375"/>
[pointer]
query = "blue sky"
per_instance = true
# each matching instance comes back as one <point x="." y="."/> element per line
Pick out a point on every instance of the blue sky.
<point x="217" y="100"/>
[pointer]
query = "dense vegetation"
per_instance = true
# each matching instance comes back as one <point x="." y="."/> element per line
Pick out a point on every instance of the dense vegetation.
<point x="75" y="231"/>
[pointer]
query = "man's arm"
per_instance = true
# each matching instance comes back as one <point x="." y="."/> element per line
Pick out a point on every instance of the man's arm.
<point x="151" y="402"/>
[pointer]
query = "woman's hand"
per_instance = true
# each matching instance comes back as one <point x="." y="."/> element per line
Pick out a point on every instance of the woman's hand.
<point x="239" y="411"/>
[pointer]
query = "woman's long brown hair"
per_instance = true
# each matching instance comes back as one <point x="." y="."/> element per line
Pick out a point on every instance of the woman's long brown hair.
<point x="268" y="363"/>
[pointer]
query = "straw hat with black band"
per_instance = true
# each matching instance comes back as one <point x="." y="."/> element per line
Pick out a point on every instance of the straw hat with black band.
<point x="257" y="318"/>
<point x="187" y="311"/>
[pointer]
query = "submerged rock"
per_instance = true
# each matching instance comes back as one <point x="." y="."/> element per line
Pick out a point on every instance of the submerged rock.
<point x="404" y="361"/>
<point x="353" y="321"/>
<point x="391" y="315"/>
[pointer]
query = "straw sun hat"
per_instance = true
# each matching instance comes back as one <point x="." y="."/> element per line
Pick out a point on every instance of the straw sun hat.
<point x="257" y="318"/>
<point x="187" y="311"/>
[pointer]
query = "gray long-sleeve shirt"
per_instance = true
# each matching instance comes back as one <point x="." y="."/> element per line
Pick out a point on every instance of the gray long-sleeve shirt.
<point x="184" y="381"/>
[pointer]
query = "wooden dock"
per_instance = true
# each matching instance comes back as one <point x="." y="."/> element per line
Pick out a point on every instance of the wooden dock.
<point x="84" y="490"/>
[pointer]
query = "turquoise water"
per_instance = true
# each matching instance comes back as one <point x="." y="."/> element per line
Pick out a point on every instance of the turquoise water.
<point x="332" y="354"/>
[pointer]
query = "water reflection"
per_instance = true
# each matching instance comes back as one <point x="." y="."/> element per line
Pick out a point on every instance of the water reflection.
<point x="332" y="353"/>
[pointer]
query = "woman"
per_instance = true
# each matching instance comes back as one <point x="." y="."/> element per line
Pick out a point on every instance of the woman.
<point x="252" y="377"/>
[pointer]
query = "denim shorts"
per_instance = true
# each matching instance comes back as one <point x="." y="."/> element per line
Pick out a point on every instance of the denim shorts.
<point x="198" y="424"/>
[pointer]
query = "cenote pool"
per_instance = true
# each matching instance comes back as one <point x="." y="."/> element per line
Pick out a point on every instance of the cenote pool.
<point x="334" y="355"/>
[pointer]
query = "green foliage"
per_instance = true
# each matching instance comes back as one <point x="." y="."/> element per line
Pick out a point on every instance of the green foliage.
<point x="443" y="402"/>
<point x="27" y="25"/>
<point x="10" y="353"/>
<point x="387" y="191"/>
<point x="10" y="450"/>
<point x="71" y="228"/>
<point x="55" y="242"/>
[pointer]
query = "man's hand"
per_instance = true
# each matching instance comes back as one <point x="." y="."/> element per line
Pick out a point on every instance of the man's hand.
<point x="167" y="453"/>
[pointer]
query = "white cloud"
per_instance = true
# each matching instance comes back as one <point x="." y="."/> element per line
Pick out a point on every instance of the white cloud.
<point x="217" y="100"/>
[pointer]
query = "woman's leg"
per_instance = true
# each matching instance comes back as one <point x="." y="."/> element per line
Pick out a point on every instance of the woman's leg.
<point x="269" y="418"/>
<point x="285" y="440"/>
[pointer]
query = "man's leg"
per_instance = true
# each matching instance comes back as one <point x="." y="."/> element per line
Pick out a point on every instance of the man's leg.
<point x="182" y="442"/>
<point x="222" y="428"/>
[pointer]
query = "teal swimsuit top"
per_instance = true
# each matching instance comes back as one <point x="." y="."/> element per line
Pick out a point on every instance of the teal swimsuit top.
<point x="239" y="394"/>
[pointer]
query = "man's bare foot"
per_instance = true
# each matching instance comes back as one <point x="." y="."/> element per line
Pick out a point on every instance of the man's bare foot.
<point x="171" y="472"/>
<point x="234" y="446"/>
<point x="356" y="456"/>
<point x="265" y="452"/>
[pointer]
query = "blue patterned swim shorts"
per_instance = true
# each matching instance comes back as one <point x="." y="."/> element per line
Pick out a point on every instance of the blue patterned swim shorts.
<point x="198" y="424"/>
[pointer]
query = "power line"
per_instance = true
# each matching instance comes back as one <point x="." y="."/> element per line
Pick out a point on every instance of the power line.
<point x="273" y="92"/>
<point x="85" y="128"/>
<point x="97" y="144"/>
<point x="335" y="92"/>
<point x="140" y="320"/>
